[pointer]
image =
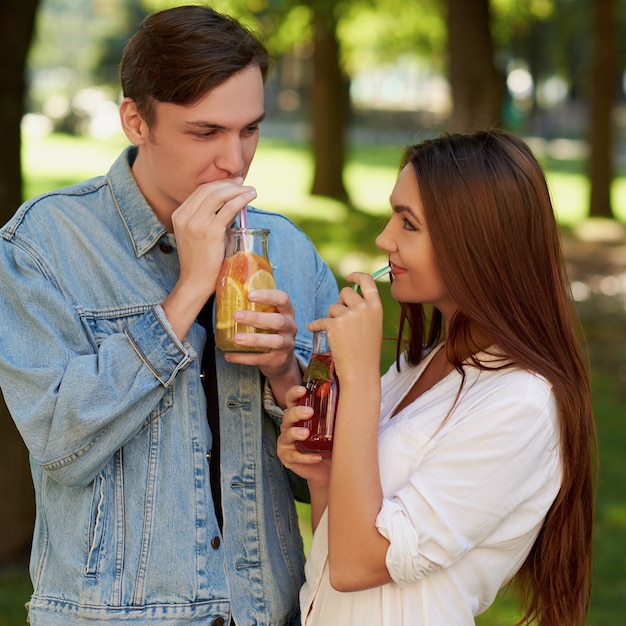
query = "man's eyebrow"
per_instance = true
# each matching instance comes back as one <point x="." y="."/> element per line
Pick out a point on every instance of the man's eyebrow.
<point x="204" y="125"/>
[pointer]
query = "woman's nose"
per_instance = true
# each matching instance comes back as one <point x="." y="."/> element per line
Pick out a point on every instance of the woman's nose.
<point x="384" y="240"/>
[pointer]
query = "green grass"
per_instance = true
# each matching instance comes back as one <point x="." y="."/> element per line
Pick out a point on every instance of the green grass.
<point x="15" y="589"/>
<point x="281" y="173"/>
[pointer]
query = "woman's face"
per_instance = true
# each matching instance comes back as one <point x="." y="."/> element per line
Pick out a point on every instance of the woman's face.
<point x="416" y="276"/>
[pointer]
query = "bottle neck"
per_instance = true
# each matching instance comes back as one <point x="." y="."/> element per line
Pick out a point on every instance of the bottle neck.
<point x="320" y="342"/>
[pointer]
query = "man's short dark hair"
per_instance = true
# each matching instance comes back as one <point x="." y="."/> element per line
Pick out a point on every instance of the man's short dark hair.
<point x="180" y="54"/>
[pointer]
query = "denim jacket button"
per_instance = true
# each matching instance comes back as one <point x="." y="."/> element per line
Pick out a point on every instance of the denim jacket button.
<point x="218" y="621"/>
<point x="208" y="457"/>
<point x="215" y="544"/>
<point x="165" y="247"/>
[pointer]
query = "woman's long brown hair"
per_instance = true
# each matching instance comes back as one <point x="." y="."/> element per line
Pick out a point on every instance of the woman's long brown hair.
<point x="497" y="244"/>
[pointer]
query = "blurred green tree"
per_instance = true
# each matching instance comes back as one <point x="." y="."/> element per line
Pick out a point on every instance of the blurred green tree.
<point x="459" y="38"/>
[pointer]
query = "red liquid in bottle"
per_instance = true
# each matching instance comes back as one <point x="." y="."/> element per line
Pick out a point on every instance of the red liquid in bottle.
<point x="322" y="394"/>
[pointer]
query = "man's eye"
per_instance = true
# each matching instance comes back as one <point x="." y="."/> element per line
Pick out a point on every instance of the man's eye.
<point x="251" y="130"/>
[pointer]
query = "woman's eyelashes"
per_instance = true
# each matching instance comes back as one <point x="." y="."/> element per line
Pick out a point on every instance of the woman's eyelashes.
<point x="407" y="225"/>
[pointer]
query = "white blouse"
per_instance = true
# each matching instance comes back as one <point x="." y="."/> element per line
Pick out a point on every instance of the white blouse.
<point x="463" y="501"/>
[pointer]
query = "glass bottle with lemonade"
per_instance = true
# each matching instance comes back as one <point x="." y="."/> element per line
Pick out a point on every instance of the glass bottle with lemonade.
<point x="246" y="267"/>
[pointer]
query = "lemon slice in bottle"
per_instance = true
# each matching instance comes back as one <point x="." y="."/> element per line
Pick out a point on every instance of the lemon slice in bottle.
<point x="261" y="279"/>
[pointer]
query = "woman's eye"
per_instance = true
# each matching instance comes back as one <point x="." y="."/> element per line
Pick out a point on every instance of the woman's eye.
<point x="407" y="225"/>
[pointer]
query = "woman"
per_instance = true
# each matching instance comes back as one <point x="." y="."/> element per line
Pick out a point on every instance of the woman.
<point x="471" y="462"/>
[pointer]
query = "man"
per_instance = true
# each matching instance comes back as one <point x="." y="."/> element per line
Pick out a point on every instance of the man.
<point x="100" y="355"/>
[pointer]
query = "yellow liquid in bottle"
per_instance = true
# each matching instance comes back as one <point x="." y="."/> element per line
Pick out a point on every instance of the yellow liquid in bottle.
<point x="241" y="273"/>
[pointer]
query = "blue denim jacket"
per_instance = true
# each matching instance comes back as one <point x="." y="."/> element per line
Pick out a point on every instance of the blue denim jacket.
<point x="111" y="407"/>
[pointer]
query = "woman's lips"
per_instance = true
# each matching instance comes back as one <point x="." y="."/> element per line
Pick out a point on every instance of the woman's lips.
<point x="396" y="269"/>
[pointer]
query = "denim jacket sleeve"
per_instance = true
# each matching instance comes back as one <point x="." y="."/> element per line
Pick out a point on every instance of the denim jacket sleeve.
<point x="76" y="394"/>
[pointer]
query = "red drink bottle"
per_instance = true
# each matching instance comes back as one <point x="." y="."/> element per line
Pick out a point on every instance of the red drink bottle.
<point x="322" y="393"/>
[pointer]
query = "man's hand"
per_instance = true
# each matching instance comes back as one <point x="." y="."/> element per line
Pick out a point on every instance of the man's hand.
<point x="200" y="224"/>
<point x="278" y="364"/>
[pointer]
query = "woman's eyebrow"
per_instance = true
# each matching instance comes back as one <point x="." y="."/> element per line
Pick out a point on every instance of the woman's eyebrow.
<point x="401" y="209"/>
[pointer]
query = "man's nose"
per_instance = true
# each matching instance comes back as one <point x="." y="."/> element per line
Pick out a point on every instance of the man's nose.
<point x="231" y="157"/>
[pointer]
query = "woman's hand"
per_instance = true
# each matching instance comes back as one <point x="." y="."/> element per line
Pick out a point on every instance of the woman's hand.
<point x="354" y="325"/>
<point x="312" y="467"/>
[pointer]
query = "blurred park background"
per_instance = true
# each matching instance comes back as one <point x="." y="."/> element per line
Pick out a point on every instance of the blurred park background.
<point x="355" y="81"/>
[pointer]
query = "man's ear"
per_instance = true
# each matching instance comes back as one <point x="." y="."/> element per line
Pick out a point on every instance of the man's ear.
<point x="133" y="124"/>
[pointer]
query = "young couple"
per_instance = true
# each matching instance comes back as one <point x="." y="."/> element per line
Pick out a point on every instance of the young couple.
<point x="160" y="497"/>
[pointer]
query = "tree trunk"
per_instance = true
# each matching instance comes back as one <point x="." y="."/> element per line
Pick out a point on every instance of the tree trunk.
<point x="17" y="511"/>
<point x="17" y="19"/>
<point x="478" y="89"/>
<point x="604" y="86"/>
<point x="330" y="106"/>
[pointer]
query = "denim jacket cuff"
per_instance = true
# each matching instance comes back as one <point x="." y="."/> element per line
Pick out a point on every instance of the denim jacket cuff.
<point x="158" y="347"/>
<point x="269" y="401"/>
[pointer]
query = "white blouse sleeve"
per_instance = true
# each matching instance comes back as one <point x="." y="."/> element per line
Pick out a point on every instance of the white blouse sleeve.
<point x="486" y="478"/>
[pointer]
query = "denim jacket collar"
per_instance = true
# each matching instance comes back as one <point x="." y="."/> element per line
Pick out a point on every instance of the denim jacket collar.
<point x="143" y="225"/>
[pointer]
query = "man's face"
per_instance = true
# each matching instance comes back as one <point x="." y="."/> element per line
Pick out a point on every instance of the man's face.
<point x="213" y="139"/>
